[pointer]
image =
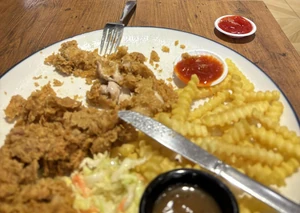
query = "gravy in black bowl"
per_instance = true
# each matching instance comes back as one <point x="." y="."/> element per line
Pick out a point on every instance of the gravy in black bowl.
<point x="187" y="191"/>
<point x="185" y="199"/>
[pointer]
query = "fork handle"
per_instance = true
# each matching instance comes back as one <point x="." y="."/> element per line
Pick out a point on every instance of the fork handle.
<point x="127" y="9"/>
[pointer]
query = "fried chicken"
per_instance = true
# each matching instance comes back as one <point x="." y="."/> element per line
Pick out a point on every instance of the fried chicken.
<point x="46" y="195"/>
<point x="59" y="132"/>
<point x="52" y="135"/>
<point x="71" y="60"/>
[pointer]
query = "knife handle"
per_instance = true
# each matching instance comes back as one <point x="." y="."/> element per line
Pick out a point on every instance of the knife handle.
<point x="257" y="190"/>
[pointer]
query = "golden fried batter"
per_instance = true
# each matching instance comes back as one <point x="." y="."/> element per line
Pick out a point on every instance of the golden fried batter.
<point x="72" y="60"/>
<point x="46" y="195"/>
<point x="52" y="135"/>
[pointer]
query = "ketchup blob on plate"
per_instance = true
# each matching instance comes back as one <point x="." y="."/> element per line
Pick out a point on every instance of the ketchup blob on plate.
<point x="209" y="68"/>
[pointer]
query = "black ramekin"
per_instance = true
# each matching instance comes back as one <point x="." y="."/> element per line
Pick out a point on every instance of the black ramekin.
<point x="205" y="181"/>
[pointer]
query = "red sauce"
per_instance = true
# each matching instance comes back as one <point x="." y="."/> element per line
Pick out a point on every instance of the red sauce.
<point x="206" y="67"/>
<point x="235" y="24"/>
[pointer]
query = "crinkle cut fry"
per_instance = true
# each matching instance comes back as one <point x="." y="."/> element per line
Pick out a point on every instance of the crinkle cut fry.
<point x="261" y="96"/>
<point x="247" y="202"/>
<point x="275" y="111"/>
<point x="208" y="92"/>
<point x="237" y="90"/>
<point x="187" y="129"/>
<point x="272" y="140"/>
<point x="271" y="175"/>
<point x="205" y="92"/>
<point x="269" y="123"/>
<point x="237" y="132"/>
<point x="233" y="69"/>
<point x="212" y="103"/>
<point x="225" y="150"/>
<point x="182" y="107"/>
<point x="235" y="114"/>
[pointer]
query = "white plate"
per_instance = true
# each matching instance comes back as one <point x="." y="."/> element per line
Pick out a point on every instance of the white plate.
<point x="19" y="80"/>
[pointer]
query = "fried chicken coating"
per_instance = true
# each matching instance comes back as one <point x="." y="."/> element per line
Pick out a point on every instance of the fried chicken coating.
<point x="52" y="135"/>
<point x="72" y="60"/>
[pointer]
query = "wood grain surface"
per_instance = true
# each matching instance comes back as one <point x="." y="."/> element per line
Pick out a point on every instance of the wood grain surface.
<point x="30" y="25"/>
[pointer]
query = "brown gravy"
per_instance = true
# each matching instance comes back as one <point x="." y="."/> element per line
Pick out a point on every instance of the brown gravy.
<point x="185" y="199"/>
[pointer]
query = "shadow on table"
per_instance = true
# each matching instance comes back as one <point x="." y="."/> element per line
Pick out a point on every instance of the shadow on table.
<point x="233" y="40"/>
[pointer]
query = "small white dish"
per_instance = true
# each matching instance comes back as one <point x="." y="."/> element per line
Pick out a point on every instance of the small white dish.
<point x="234" y="35"/>
<point x="200" y="52"/>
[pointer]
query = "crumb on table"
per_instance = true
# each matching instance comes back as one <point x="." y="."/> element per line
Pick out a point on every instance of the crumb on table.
<point x="176" y="42"/>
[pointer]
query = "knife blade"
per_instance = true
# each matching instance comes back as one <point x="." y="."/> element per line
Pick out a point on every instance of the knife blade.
<point x="179" y="144"/>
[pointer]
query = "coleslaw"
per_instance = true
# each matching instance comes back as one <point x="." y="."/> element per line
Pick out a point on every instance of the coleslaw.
<point x="107" y="185"/>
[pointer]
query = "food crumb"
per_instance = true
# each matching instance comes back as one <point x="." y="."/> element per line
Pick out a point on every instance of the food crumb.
<point x="36" y="84"/>
<point x="182" y="46"/>
<point x="169" y="79"/>
<point x="154" y="57"/>
<point x="37" y="77"/>
<point x="77" y="97"/>
<point x="45" y="77"/>
<point x="165" y="49"/>
<point x="88" y="81"/>
<point x="5" y="93"/>
<point x="176" y="42"/>
<point x="57" y="83"/>
<point x="156" y="66"/>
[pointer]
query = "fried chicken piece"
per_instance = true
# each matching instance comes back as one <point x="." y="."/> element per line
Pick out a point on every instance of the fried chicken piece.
<point x="46" y="195"/>
<point x="14" y="108"/>
<point x="125" y="82"/>
<point x="58" y="133"/>
<point x="73" y="61"/>
<point x="151" y="96"/>
<point x="13" y="171"/>
<point x="97" y="97"/>
<point x="51" y="138"/>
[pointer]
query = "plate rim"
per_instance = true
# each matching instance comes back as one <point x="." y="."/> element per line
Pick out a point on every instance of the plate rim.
<point x="171" y="29"/>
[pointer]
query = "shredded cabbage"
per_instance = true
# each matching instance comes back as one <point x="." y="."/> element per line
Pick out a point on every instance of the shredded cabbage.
<point x="107" y="185"/>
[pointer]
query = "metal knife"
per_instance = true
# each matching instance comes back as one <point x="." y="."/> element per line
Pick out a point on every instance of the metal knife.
<point x="196" y="154"/>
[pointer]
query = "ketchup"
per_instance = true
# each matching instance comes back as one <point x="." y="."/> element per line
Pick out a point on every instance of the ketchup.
<point x="235" y="25"/>
<point x="208" y="69"/>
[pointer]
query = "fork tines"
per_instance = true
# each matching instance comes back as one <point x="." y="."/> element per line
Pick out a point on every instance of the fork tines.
<point x="111" y="38"/>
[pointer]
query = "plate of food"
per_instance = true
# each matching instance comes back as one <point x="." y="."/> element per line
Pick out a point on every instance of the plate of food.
<point x="63" y="146"/>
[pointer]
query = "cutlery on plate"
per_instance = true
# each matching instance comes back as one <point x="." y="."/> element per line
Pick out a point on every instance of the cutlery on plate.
<point x="196" y="154"/>
<point x="113" y="31"/>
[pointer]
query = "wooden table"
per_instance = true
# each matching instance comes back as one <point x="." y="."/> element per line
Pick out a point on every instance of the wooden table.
<point x="28" y="26"/>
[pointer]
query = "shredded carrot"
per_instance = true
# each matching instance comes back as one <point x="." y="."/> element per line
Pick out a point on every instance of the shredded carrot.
<point x="77" y="180"/>
<point x="142" y="178"/>
<point x="122" y="205"/>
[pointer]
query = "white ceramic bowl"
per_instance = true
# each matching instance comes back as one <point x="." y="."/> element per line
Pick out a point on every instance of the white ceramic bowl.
<point x="233" y="35"/>
<point x="199" y="52"/>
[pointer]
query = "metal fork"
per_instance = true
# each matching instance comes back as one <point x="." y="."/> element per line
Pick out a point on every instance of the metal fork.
<point x="113" y="31"/>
